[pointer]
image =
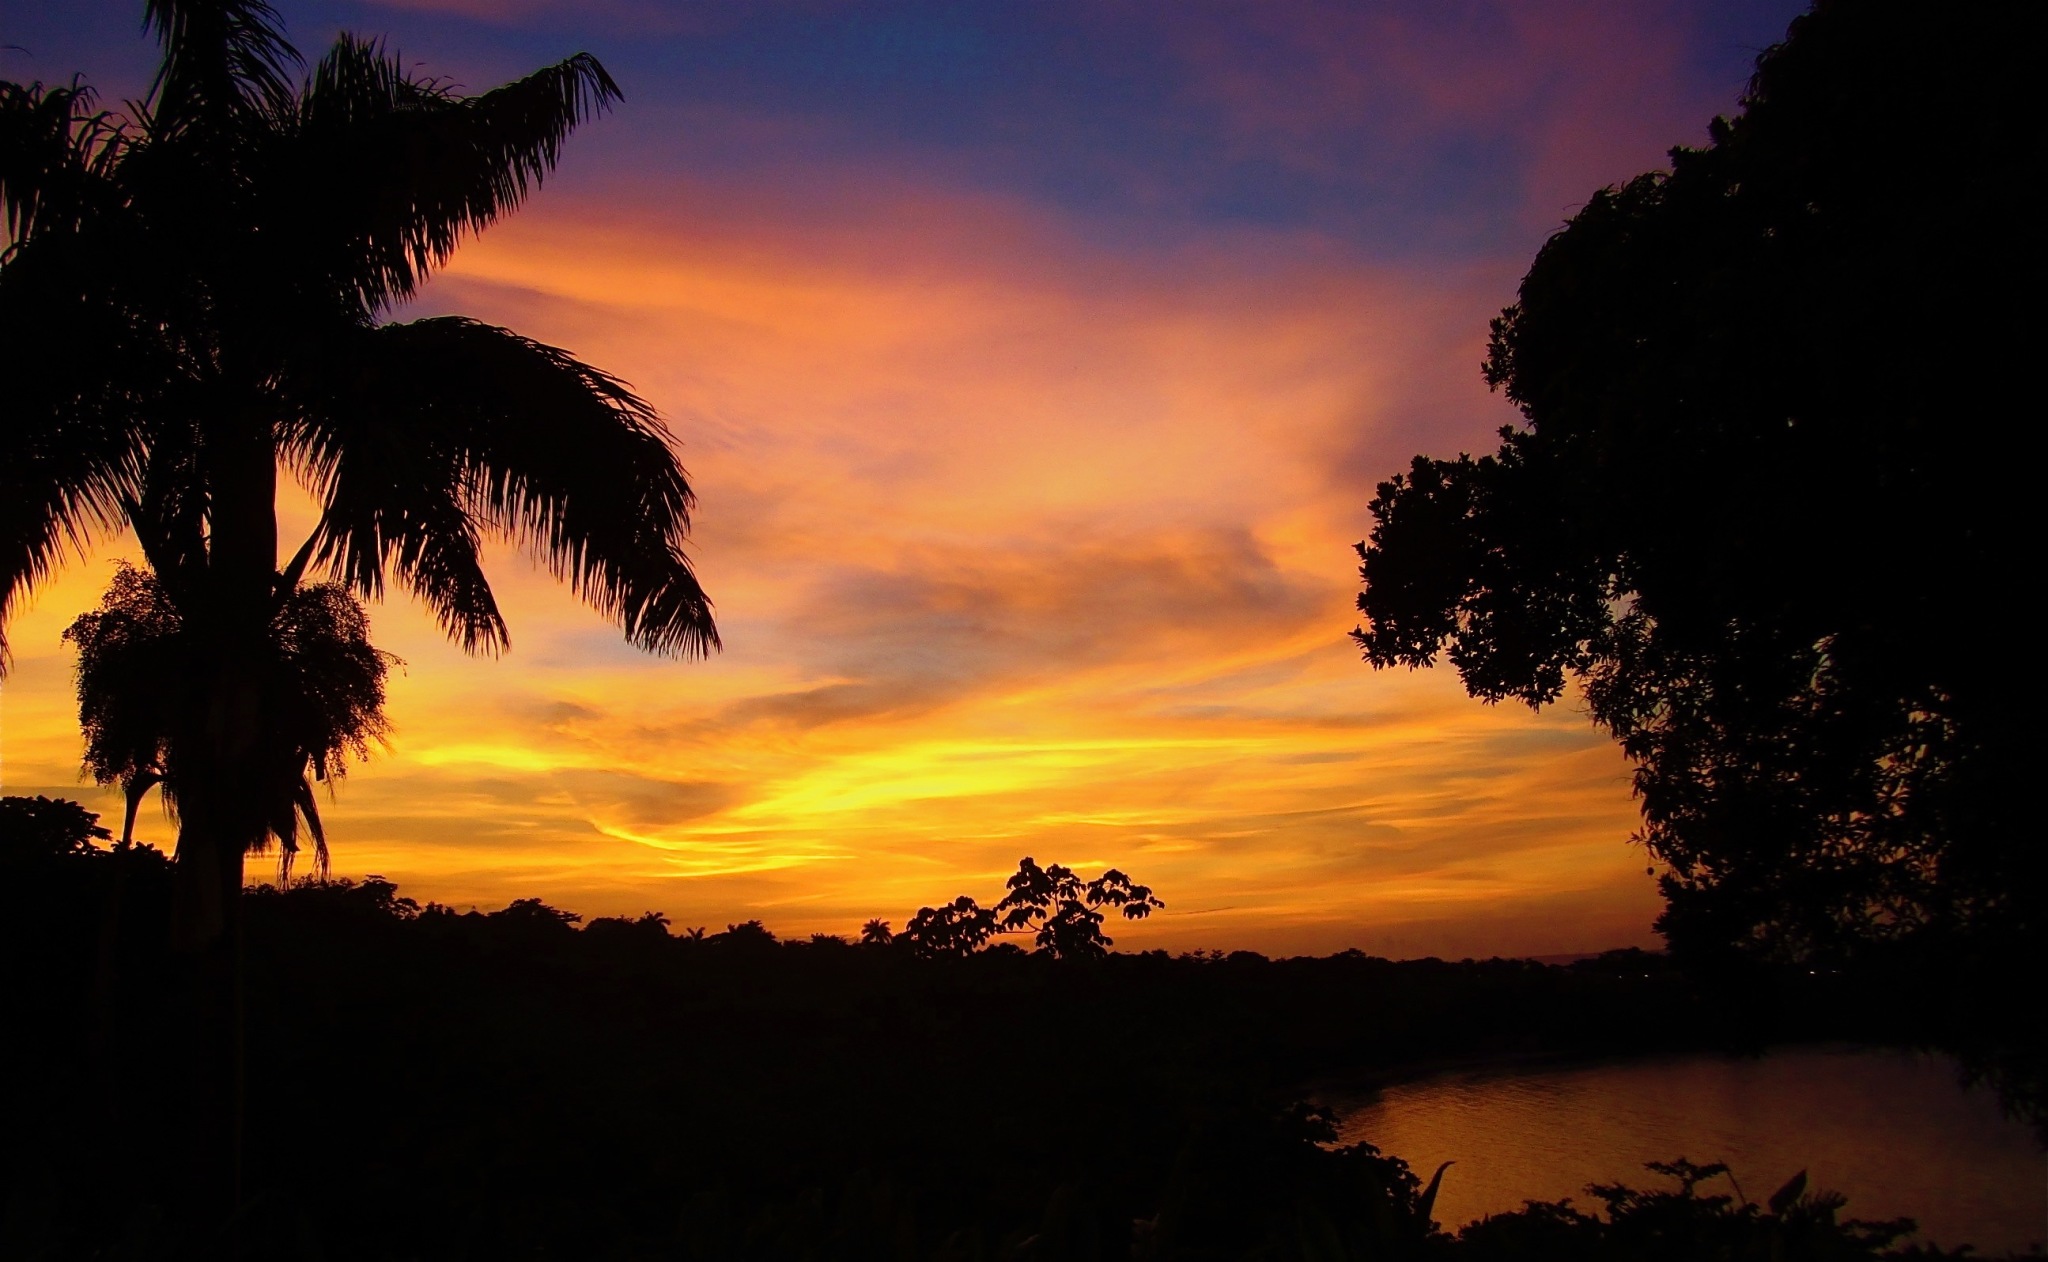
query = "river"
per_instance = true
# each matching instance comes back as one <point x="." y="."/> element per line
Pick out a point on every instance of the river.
<point x="1893" y="1131"/>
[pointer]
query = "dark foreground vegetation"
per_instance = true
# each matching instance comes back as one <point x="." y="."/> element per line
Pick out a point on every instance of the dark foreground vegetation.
<point x="1749" y="514"/>
<point x="422" y="1083"/>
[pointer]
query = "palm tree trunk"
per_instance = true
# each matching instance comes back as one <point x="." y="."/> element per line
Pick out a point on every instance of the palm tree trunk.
<point x="221" y="795"/>
<point x="221" y="811"/>
<point x="207" y="930"/>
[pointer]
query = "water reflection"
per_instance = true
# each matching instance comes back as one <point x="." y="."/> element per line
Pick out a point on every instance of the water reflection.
<point x="1892" y="1131"/>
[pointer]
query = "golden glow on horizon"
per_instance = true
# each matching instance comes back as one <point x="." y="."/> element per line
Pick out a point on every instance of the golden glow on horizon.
<point x="1018" y="549"/>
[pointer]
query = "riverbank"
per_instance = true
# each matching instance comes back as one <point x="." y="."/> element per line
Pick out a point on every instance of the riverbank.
<point x="510" y="1084"/>
<point x="1892" y="1129"/>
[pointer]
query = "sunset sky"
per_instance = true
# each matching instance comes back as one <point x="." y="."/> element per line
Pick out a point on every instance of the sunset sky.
<point x="1034" y="363"/>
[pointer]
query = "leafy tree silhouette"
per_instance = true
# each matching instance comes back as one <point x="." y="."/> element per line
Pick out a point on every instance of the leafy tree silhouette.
<point x="324" y="679"/>
<point x="1053" y="904"/>
<point x="534" y="911"/>
<point x="953" y="929"/>
<point x="1062" y="908"/>
<point x="649" y="926"/>
<point x="42" y="827"/>
<point x="747" y="936"/>
<point x="193" y="296"/>
<point x="1751" y="511"/>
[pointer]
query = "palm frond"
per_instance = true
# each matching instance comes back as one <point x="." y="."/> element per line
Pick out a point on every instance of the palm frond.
<point x="392" y="501"/>
<point x="84" y="364"/>
<point x="307" y="806"/>
<point x="536" y="445"/>
<point x="56" y="155"/>
<point x="169" y="517"/>
<point x="59" y="487"/>
<point x="71" y="463"/>
<point x="82" y="369"/>
<point x="387" y="171"/>
<point x="223" y="60"/>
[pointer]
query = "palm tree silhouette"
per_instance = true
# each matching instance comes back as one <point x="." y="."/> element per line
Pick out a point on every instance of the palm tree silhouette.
<point x="193" y="297"/>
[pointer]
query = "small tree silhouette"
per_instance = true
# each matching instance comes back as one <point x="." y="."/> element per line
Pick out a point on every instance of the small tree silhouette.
<point x="40" y="827"/>
<point x="958" y="928"/>
<point x="1062" y="911"/>
<point x="1063" y="908"/>
<point x="323" y="682"/>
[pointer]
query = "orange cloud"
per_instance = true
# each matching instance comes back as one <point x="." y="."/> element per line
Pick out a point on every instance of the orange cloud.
<point x="1019" y="547"/>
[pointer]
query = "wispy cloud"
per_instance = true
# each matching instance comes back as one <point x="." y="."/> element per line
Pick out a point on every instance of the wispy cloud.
<point x="1031" y="449"/>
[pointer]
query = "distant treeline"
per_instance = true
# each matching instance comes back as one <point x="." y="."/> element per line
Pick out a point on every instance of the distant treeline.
<point x="423" y="1083"/>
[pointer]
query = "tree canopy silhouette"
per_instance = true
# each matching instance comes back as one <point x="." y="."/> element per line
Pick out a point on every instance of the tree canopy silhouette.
<point x="193" y="296"/>
<point x="1060" y="910"/>
<point x="40" y="827"/>
<point x="1758" y="508"/>
<point x="135" y="677"/>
